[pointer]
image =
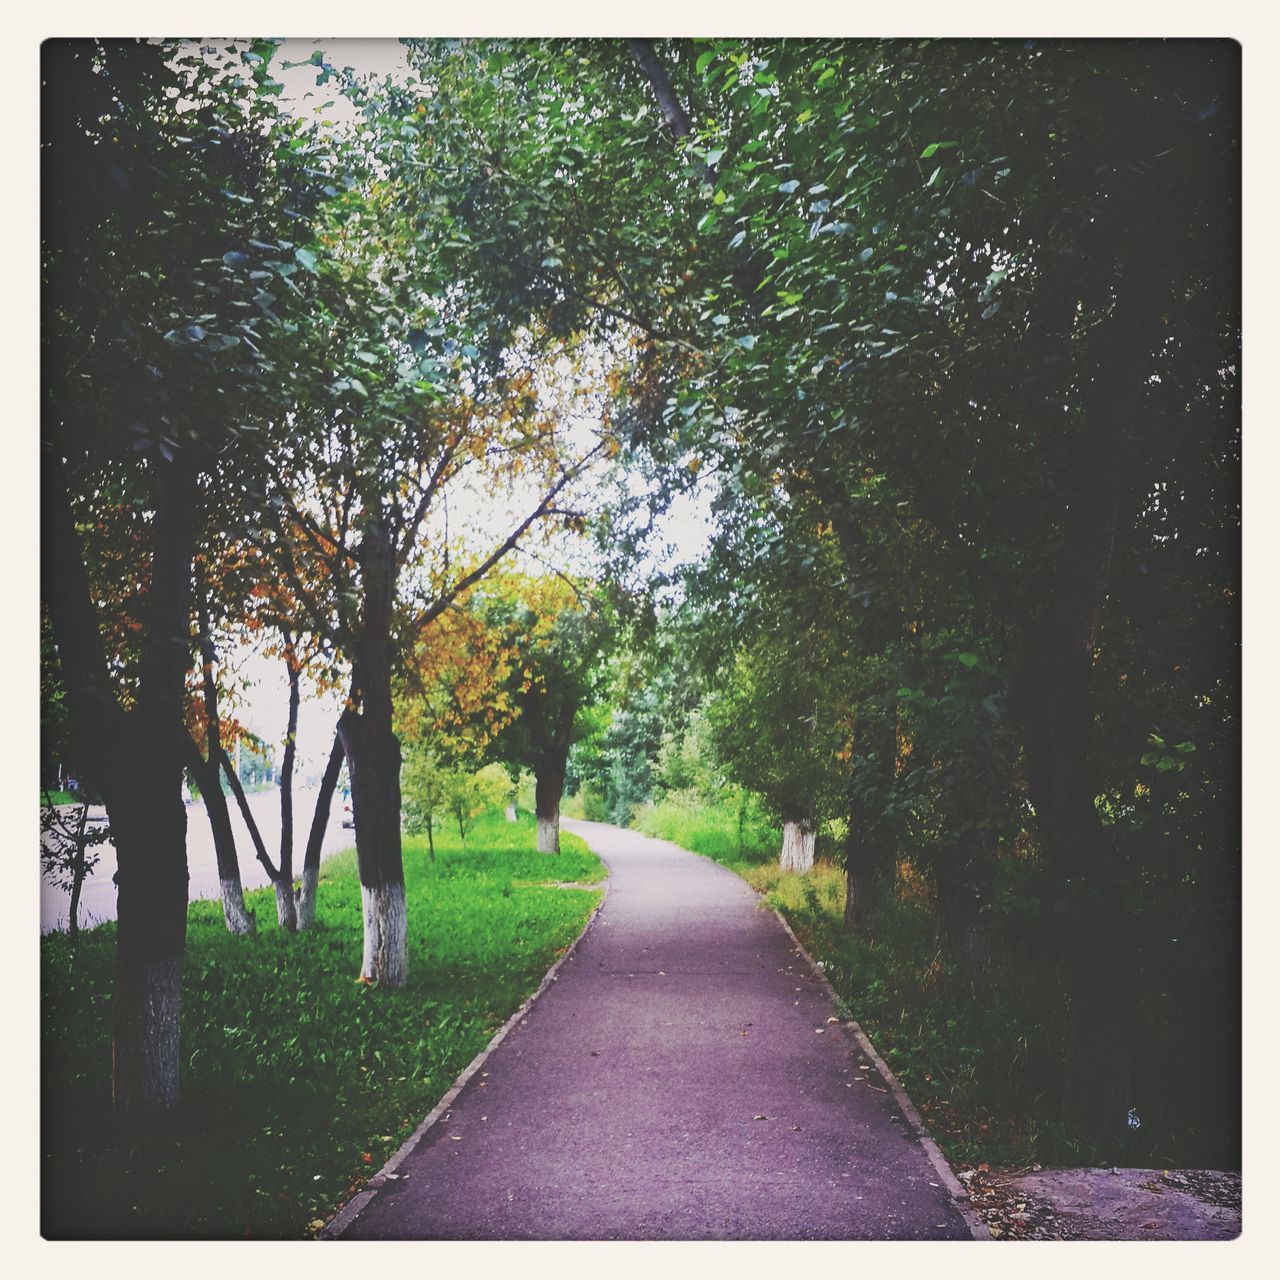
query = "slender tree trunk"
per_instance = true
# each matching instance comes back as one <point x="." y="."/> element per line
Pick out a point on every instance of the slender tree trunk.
<point x="373" y="758"/>
<point x="286" y="904"/>
<point x="431" y="839"/>
<point x="77" y="875"/>
<point x="239" y="919"/>
<point x="242" y="803"/>
<point x="315" y="839"/>
<point x="798" y="839"/>
<point x="547" y="792"/>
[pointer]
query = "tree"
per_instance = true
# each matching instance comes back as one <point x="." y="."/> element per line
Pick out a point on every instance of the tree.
<point x="898" y="277"/>
<point x="424" y="782"/>
<point x="415" y="417"/>
<point x="66" y="842"/>
<point x="556" y="633"/>
<point x="160" y="167"/>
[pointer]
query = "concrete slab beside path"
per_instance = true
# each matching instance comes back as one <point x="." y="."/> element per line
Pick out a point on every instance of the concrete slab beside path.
<point x="680" y="1079"/>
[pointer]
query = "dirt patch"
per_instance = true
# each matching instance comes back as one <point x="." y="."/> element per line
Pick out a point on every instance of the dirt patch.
<point x="1105" y="1204"/>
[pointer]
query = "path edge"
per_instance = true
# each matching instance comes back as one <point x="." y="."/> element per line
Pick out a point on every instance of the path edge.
<point x="977" y="1227"/>
<point x="360" y="1201"/>
<point x="959" y="1197"/>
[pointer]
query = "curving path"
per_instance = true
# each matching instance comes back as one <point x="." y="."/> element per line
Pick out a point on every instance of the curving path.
<point x="670" y="1084"/>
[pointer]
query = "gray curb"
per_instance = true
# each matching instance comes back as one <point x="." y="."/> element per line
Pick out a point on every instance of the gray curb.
<point x="977" y="1228"/>
<point x="355" y="1206"/>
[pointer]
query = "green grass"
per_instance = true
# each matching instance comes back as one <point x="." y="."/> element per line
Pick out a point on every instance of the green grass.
<point x="986" y="1074"/>
<point x="59" y="797"/>
<point x="298" y="1081"/>
<point x="738" y="835"/>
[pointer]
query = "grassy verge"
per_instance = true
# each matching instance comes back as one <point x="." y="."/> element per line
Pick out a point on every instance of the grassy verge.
<point x="985" y="1073"/>
<point x="298" y="1081"/>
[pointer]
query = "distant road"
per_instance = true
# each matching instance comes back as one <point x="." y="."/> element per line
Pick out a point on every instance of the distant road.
<point x="98" y="900"/>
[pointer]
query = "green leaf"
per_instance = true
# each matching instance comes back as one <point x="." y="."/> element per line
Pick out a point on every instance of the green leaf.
<point x="934" y="147"/>
<point x="307" y="258"/>
<point x="788" y="187"/>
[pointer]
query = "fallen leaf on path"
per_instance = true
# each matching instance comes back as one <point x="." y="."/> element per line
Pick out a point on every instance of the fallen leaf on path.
<point x="453" y="1137"/>
<point x="759" y="1117"/>
<point x="831" y="1020"/>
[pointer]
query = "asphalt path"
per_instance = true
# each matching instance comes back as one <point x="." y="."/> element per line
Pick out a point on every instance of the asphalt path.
<point x="682" y="1078"/>
<point x="98" y="900"/>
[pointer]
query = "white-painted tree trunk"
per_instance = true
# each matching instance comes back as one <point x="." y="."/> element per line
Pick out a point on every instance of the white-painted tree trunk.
<point x="511" y="811"/>
<point x="549" y="833"/>
<point x="237" y="916"/>
<point x="385" y="934"/>
<point x="798" y="839"/>
<point x="307" y="897"/>
<point x="286" y="905"/>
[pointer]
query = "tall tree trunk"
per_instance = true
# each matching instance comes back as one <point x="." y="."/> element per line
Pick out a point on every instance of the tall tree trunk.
<point x="315" y="839"/>
<point x="242" y="803"/>
<point x="1086" y="870"/>
<point x="77" y="874"/>
<point x="286" y="904"/>
<point x="373" y="759"/>
<point x="798" y="839"/>
<point x="869" y="849"/>
<point x="239" y="919"/>
<point x="549" y="777"/>
<point x="1090" y="913"/>
<point x="962" y="879"/>
<point x="151" y="835"/>
<point x="860" y="872"/>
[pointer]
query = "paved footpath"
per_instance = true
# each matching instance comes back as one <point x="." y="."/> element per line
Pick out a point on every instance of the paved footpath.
<point x="679" y="1080"/>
